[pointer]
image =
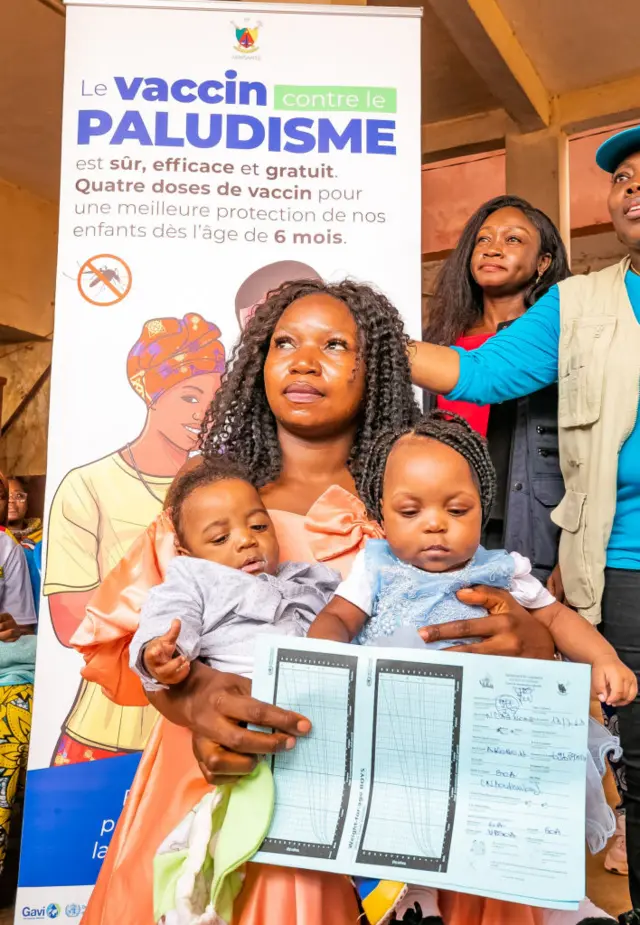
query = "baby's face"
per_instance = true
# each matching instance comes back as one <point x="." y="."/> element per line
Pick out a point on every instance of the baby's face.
<point x="226" y="522"/>
<point x="431" y="505"/>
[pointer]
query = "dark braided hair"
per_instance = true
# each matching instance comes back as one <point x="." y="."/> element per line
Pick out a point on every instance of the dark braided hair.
<point x="447" y="428"/>
<point x="239" y="422"/>
<point x="208" y="471"/>
<point x="457" y="302"/>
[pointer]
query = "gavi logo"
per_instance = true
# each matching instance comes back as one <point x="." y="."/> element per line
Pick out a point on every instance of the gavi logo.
<point x="52" y="911"/>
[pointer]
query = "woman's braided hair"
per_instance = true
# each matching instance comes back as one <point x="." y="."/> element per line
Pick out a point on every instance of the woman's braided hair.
<point x="239" y="422"/>
<point x="445" y="427"/>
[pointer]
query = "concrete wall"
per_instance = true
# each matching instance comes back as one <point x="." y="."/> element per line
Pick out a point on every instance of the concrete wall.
<point x="453" y="190"/>
<point x="28" y="241"/>
<point x="28" y="236"/>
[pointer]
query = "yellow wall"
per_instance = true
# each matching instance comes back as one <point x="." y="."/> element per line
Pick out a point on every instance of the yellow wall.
<point x="28" y="240"/>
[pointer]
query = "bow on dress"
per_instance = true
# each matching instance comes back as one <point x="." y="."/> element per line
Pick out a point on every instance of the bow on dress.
<point x="337" y="524"/>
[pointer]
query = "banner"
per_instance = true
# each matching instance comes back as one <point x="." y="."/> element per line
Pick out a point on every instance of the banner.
<point x="210" y="151"/>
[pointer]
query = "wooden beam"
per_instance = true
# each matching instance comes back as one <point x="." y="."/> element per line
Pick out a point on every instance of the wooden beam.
<point x="580" y="110"/>
<point x="499" y="30"/>
<point x="26" y="401"/>
<point x="316" y="2"/>
<point x="594" y="107"/>
<point x="484" y="36"/>
<point x="464" y="152"/>
<point x="588" y="230"/>
<point x="483" y="130"/>
<point x="56" y="5"/>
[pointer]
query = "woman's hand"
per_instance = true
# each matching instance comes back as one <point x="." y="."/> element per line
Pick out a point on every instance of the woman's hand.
<point x="508" y="629"/>
<point x="218" y="765"/>
<point x="9" y="629"/>
<point x="555" y="585"/>
<point x="216" y="706"/>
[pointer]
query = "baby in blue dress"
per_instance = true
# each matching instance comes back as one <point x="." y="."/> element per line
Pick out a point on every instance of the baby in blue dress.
<point x="432" y="488"/>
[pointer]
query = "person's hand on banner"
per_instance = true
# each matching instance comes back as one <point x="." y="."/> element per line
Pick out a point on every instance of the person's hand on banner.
<point x="508" y="628"/>
<point x="217" y="706"/>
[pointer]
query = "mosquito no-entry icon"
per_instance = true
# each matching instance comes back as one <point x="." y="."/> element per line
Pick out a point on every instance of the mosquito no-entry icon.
<point x="104" y="280"/>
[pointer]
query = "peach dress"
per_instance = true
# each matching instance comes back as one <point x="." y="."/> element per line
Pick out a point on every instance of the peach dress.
<point x="168" y="782"/>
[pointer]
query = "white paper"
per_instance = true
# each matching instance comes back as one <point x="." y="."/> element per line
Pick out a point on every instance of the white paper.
<point x="454" y="771"/>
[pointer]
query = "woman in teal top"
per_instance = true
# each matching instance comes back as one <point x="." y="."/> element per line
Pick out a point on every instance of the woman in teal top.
<point x="523" y="359"/>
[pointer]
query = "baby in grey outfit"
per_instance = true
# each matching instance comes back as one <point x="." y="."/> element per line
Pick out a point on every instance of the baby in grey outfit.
<point x="225" y="586"/>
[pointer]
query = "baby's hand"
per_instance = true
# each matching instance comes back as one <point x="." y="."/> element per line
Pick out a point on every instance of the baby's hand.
<point x="161" y="661"/>
<point x="613" y="683"/>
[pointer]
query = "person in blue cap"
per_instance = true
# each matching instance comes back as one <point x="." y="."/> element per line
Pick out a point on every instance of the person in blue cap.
<point x="584" y="334"/>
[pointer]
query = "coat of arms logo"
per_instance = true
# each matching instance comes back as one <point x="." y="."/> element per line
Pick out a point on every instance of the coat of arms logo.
<point x="247" y="38"/>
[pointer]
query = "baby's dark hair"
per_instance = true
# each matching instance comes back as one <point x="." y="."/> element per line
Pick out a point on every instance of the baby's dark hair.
<point x="447" y="428"/>
<point x="216" y="469"/>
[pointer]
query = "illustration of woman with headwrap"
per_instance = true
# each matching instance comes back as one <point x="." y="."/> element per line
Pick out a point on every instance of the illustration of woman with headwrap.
<point x="100" y="508"/>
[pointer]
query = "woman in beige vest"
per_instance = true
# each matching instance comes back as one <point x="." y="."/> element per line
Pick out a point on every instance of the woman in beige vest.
<point x="584" y="334"/>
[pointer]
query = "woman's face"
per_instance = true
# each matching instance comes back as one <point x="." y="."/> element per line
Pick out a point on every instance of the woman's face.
<point x="313" y="375"/>
<point x="179" y="411"/>
<point x="4" y="502"/>
<point x="624" y="201"/>
<point x="506" y="256"/>
<point x="18" y="500"/>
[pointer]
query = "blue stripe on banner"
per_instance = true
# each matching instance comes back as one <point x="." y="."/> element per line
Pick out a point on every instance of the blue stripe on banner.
<point x="69" y="817"/>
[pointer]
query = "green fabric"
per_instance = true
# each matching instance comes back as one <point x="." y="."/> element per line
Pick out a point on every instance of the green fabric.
<point x="246" y="823"/>
<point x="241" y="821"/>
<point x="166" y="870"/>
